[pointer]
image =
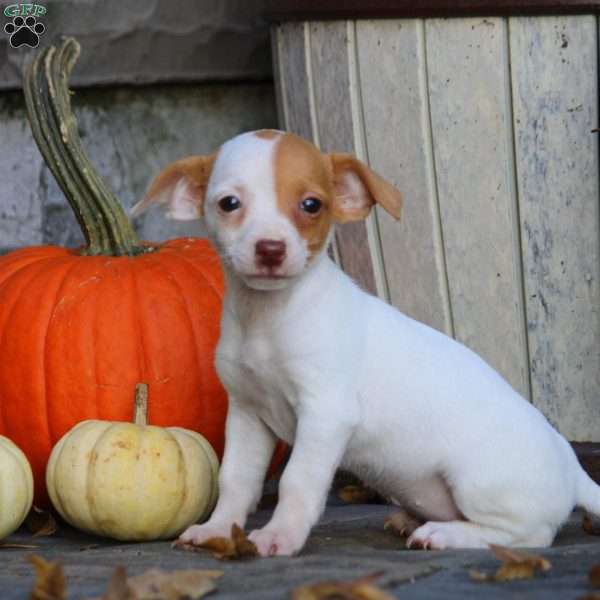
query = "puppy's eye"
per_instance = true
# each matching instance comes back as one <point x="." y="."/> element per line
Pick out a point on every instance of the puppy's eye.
<point x="311" y="205"/>
<point x="229" y="203"/>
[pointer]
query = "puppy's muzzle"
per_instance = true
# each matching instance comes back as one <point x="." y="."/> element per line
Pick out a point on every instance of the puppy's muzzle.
<point x="270" y="253"/>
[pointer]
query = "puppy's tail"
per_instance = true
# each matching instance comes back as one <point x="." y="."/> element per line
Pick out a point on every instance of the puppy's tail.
<point x="588" y="493"/>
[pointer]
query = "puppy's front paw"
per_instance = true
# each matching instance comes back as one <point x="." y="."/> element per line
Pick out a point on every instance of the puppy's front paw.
<point x="277" y="542"/>
<point x="198" y="534"/>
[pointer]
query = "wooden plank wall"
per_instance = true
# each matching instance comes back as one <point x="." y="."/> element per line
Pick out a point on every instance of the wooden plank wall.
<point x="485" y="126"/>
<point x="414" y="250"/>
<point x="555" y="91"/>
<point x="471" y="121"/>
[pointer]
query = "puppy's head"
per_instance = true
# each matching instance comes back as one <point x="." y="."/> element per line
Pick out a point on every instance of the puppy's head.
<point x="270" y="200"/>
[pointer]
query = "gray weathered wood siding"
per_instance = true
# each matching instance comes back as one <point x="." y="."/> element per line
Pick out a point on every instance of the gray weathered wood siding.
<point x="485" y="125"/>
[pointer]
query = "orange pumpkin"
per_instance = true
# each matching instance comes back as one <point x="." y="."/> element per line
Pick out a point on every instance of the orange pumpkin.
<point x="79" y="328"/>
<point x="78" y="332"/>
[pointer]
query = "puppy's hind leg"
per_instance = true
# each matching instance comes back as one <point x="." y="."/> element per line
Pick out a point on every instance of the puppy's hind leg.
<point x="436" y="535"/>
<point x="488" y="512"/>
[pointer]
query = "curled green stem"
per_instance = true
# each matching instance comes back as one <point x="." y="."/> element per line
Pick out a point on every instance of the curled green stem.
<point x="105" y="225"/>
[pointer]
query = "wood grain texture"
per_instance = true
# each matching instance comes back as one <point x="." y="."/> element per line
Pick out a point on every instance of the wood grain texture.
<point x="555" y="71"/>
<point x="288" y="10"/>
<point x="293" y="75"/>
<point x="391" y="56"/>
<point x="276" y="43"/>
<point x="330" y="68"/>
<point x="467" y="62"/>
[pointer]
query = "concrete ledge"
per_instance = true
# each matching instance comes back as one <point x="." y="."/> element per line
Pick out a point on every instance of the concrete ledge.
<point x="151" y="41"/>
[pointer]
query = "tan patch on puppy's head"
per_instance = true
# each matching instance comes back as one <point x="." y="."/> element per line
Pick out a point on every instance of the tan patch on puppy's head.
<point x="301" y="172"/>
<point x="267" y="134"/>
<point x="346" y="187"/>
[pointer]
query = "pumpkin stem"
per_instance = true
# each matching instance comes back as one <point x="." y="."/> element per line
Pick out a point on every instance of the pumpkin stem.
<point x="105" y="225"/>
<point x="140" y="407"/>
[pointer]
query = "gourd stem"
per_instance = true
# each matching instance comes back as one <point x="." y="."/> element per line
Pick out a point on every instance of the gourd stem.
<point x="140" y="408"/>
<point x="105" y="225"/>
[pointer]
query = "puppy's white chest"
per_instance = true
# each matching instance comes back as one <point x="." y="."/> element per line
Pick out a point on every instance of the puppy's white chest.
<point x="254" y="372"/>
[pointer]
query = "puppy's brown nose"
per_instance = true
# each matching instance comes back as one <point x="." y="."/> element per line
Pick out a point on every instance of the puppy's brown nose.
<point x="270" y="253"/>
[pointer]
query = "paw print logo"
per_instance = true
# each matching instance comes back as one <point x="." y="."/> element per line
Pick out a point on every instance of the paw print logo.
<point x="24" y="32"/>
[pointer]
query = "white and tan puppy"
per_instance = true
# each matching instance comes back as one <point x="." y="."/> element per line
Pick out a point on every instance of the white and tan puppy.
<point x="307" y="356"/>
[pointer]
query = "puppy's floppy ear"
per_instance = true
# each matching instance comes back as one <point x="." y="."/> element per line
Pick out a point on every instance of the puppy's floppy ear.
<point x="180" y="187"/>
<point x="358" y="188"/>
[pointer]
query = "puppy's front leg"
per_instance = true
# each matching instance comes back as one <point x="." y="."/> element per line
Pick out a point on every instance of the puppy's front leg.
<point x="318" y="449"/>
<point x="249" y="446"/>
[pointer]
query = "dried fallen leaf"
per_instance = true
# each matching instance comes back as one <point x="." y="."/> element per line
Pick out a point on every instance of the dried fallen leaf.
<point x="238" y="547"/>
<point x="243" y="546"/>
<point x="40" y="522"/>
<point x="358" y="589"/>
<point x="50" y="579"/>
<point x="401" y="523"/>
<point x="515" y="557"/>
<point x="189" y="584"/>
<point x="358" y="494"/>
<point x="515" y="565"/>
<point x="590" y="525"/>
<point x="118" y="587"/>
<point x="594" y="575"/>
<point x="221" y="548"/>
